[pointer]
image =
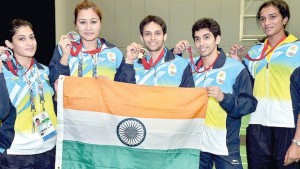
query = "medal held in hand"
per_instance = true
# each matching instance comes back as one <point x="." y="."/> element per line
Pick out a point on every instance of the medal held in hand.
<point x="242" y="52"/>
<point x="191" y="50"/>
<point x="73" y="36"/>
<point x="142" y="53"/>
<point x="6" y="55"/>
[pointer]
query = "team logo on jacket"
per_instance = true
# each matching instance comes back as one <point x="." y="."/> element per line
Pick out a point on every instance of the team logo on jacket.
<point x="131" y="132"/>
<point x="292" y="51"/>
<point x="111" y="56"/>
<point x="221" y="76"/>
<point x="172" y="69"/>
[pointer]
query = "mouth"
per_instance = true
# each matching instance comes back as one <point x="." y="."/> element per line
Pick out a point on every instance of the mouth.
<point x="30" y="49"/>
<point x="268" y="29"/>
<point x="89" y="34"/>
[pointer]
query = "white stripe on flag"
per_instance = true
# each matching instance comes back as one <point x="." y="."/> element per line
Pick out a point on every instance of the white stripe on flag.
<point x="160" y="133"/>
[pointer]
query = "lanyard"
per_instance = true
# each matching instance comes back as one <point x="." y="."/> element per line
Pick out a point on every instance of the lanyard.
<point x="95" y="64"/>
<point x="147" y="65"/>
<point x="31" y="93"/>
<point x="78" y="48"/>
<point x="200" y="64"/>
<point x="263" y="55"/>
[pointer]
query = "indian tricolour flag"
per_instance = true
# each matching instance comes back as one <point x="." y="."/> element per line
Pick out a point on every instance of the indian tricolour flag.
<point x="105" y="124"/>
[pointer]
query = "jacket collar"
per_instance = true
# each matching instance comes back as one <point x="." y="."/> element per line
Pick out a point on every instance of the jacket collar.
<point x="220" y="61"/>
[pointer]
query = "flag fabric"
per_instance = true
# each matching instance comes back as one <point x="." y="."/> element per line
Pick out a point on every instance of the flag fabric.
<point x="105" y="124"/>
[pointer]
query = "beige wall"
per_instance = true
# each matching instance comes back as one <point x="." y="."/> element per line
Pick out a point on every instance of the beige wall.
<point x="121" y="18"/>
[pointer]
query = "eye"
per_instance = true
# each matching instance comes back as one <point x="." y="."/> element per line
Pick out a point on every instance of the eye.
<point x="32" y="37"/>
<point x="272" y="17"/>
<point x="261" y="19"/>
<point x="22" y="38"/>
<point x="146" y="34"/>
<point x="93" y="22"/>
<point x="82" y="22"/>
<point x="158" y="33"/>
<point x="196" y="39"/>
<point x="206" y="37"/>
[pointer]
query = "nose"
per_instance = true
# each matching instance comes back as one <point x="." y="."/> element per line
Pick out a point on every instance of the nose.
<point x="88" y="26"/>
<point x="153" y="36"/>
<point x="201" y="42"/>
<point x="29" y="42"/>
<point x="267" y="21"/>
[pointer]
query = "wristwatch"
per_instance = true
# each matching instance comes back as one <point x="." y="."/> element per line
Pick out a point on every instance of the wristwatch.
<point x="296" y="142"/>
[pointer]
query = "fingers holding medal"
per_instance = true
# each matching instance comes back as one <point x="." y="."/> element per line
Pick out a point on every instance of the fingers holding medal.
<point x="5" y="54"/>
<point x="134" y="51"/>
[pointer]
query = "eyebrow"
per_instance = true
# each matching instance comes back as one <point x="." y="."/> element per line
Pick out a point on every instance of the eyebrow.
<point x="88" y="19"/>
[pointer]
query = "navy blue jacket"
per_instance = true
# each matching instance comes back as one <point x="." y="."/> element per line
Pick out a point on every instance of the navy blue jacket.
<point x="7" y="116"/>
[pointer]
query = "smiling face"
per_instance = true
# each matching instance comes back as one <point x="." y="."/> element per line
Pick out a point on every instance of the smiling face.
<point x="153" y="37"/>
<point x="88" y="24"/>
<point x="271" y="21"/>
<point x="206" y="43"/>
<point x="23" y="43"/>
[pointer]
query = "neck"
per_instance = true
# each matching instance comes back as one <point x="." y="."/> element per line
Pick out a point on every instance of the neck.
<point x="208" y="60"/>
<point x="155" y="54"/>
<point x="90" y="45"/>
<point x="273" y="40"/>
<point x="24" y="61"/>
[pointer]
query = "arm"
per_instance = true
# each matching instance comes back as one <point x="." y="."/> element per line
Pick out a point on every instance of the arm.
<point x="7" y="131"/>
<point x="293" y="153"/>
<point x="4" y="99"/>
<point x="56" y="68"/>
<point x="241" y="102"/>
<point x="7" y="116"/>
<point x="127" y="72"/>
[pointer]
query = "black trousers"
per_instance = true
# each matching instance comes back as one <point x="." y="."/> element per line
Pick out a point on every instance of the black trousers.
<point x="267" y="146"/>
<point x="44" y="160"/>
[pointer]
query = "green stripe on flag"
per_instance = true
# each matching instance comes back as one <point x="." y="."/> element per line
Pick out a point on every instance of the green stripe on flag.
<point x="78" y="155"/>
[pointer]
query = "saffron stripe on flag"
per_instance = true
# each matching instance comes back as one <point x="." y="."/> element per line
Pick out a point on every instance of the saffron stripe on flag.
<point x="134" y="100"/>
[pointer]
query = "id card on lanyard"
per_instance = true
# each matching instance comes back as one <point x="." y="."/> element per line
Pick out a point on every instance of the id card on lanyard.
<point x="44" y="126"/>
<point x="47" y="132"/>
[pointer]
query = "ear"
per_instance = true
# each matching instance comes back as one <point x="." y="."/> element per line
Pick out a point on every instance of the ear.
<point x="218" y="39"/>
<point x="285" y="20"/>
<point x="8" y="44"/>
<point x="165" y="37"/>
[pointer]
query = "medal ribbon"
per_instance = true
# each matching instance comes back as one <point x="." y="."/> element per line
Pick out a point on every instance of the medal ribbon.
<point x="78" y="48"/>
<point x="75" y="53"/>
<point x="263" y="55"/>
<point x="15" y="72"/>
<point x="200" y="64"/>
<point x="147" y="65"/>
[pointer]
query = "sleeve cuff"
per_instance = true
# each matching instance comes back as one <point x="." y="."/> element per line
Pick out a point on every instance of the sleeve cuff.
<point x="2" y="150"/>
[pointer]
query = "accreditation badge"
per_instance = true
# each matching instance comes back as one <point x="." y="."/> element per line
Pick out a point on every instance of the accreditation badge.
<point x="44" y="126"/>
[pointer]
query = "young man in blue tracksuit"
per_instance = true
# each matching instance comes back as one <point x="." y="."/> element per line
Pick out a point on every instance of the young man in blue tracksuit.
<point x="229" y="90"/>
<point x="158" y="66"/>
